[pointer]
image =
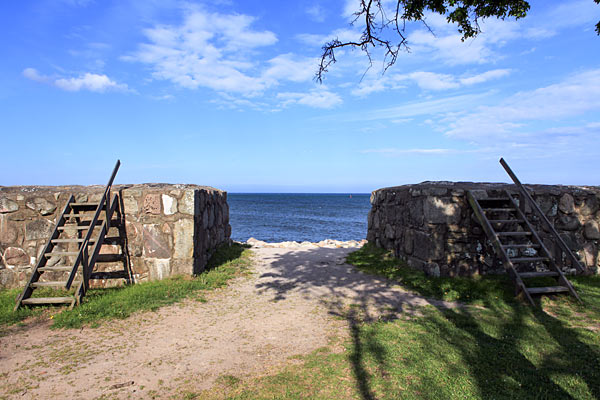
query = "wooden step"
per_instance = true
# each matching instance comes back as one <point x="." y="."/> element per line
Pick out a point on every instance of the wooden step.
<point x="83" y="205"/>
<point x="513" y="233"/>
<point x="494" y="199"/>
<point x="82" y="215"/>
<point x="115" y="240"/>
<point x="48" y="300"/>
<point x="527" y="259"/>
<point x="107" y="240"/>
<point x="79" y="227"/>
<point x="109" y="258"/>
<point x="109" y="275"/>
<point x="76" y="240"/>
<point x="56" y="284"/>
<point x="61" y="254"/>
<point x="505" y="221"/>
<point x="536" y="274"/>
<point x="56" y="268"/>
<point x="507" y="209"/>
<point x="521" y="246"/>
<point x="548" y="289"/>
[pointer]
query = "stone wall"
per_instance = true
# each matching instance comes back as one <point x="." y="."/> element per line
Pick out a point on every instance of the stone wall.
<point x="431" y="225"/>
<point x="170" y="229"/>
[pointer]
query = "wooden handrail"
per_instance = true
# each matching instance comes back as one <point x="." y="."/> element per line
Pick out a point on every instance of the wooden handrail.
<point x="536" y="208"/>
<point x="102" y="205"/>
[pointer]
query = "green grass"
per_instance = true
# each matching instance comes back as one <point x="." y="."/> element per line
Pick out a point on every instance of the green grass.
<point x="501" y="349"/>
<point x="121" y="302"/>
<point x="484" y="290"/>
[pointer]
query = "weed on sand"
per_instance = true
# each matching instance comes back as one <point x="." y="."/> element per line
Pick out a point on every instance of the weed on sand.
<point x="120" y="302"/>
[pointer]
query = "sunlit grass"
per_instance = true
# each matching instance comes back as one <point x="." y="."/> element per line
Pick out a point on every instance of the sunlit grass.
<point x="121" y="302"/>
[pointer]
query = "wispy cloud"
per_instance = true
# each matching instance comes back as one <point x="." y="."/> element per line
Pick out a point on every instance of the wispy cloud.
<point x="438" y="106"/>
<point x="87" y="81"/>
<point x="573" y="97"/>
<point x="316" y="98"/>
<point x="425" y="80"/>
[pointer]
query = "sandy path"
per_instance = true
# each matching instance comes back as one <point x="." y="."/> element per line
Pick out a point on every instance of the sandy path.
<point x="285" y="308"/>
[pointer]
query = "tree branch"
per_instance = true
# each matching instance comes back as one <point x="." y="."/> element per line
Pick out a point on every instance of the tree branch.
<point x="465" y="13"/>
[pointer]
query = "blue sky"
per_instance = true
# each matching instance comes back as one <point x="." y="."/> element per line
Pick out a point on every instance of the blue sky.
<point x="222" y="93"/>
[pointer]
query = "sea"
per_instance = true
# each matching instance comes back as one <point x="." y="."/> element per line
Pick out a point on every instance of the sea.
<point x="281" y="217"/>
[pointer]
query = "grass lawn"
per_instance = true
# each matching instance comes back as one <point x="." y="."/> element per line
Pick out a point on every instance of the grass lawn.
<point x="110" y="303"/>
<point x="493" y="348"/>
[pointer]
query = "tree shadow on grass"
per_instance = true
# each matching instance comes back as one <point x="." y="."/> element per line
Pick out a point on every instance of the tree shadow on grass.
<point x="507" y="350"/>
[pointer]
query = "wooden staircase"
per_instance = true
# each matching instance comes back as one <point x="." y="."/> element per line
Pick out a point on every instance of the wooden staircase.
<point x="78" y="235"/>
<point x="517" y="243"/>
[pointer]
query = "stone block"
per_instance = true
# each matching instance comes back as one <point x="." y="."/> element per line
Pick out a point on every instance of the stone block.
<point x="409" y="237"/>
<point x="415" y="210"/>
<point x="156" y="243"/>
<point x="432" y="269"/>
<point x="15" y="256"/>
<point x="157" y="268"/>
<point x="441" y="211"/>
<point x="566" y="204"/>
<point x="7" y="205"/>
<point x="389" y="232"/>
<point x="152" y="204"/>
<point x="39" y="229"/>
<point x="548" y="205"/>
<point x="183" y="235"/>
<point x="589" y="206"/>
<point x="182" y="267"/>
<point x="41" y="205"/>
<point x="187" y="203"/>
<point x="567" y="223"/>
<point x="426" y="248"/>
<point x="390" y="213"/>
<point x="9" y="232"/>
<point x="211" y="215"/>
<point x="591" y="230"/>
<point x="205" y="218"/>
<point x="131" y="205"/>
<point x="169" y="204"/>
<point x="589" y="255"/>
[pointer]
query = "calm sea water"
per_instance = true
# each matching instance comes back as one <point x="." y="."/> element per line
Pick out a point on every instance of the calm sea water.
<point x="275" y="217"/>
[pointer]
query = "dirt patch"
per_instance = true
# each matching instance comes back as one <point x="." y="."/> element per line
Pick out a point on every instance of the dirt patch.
<point x="295" y="300"/>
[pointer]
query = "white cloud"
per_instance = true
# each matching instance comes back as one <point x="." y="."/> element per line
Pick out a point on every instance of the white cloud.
<point x="219" y="52"/>
<point x="88" y="81"/>
<point x="91" y="82"/>
<point x="450" y="49"/>
<point x="317" y="98"/>
<point x="290" y="67"/>
<point x="34" y="75"/>
<point x="570" y="98"/>
<point x="486" y="76"/>
<point x="316" y="13"/>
